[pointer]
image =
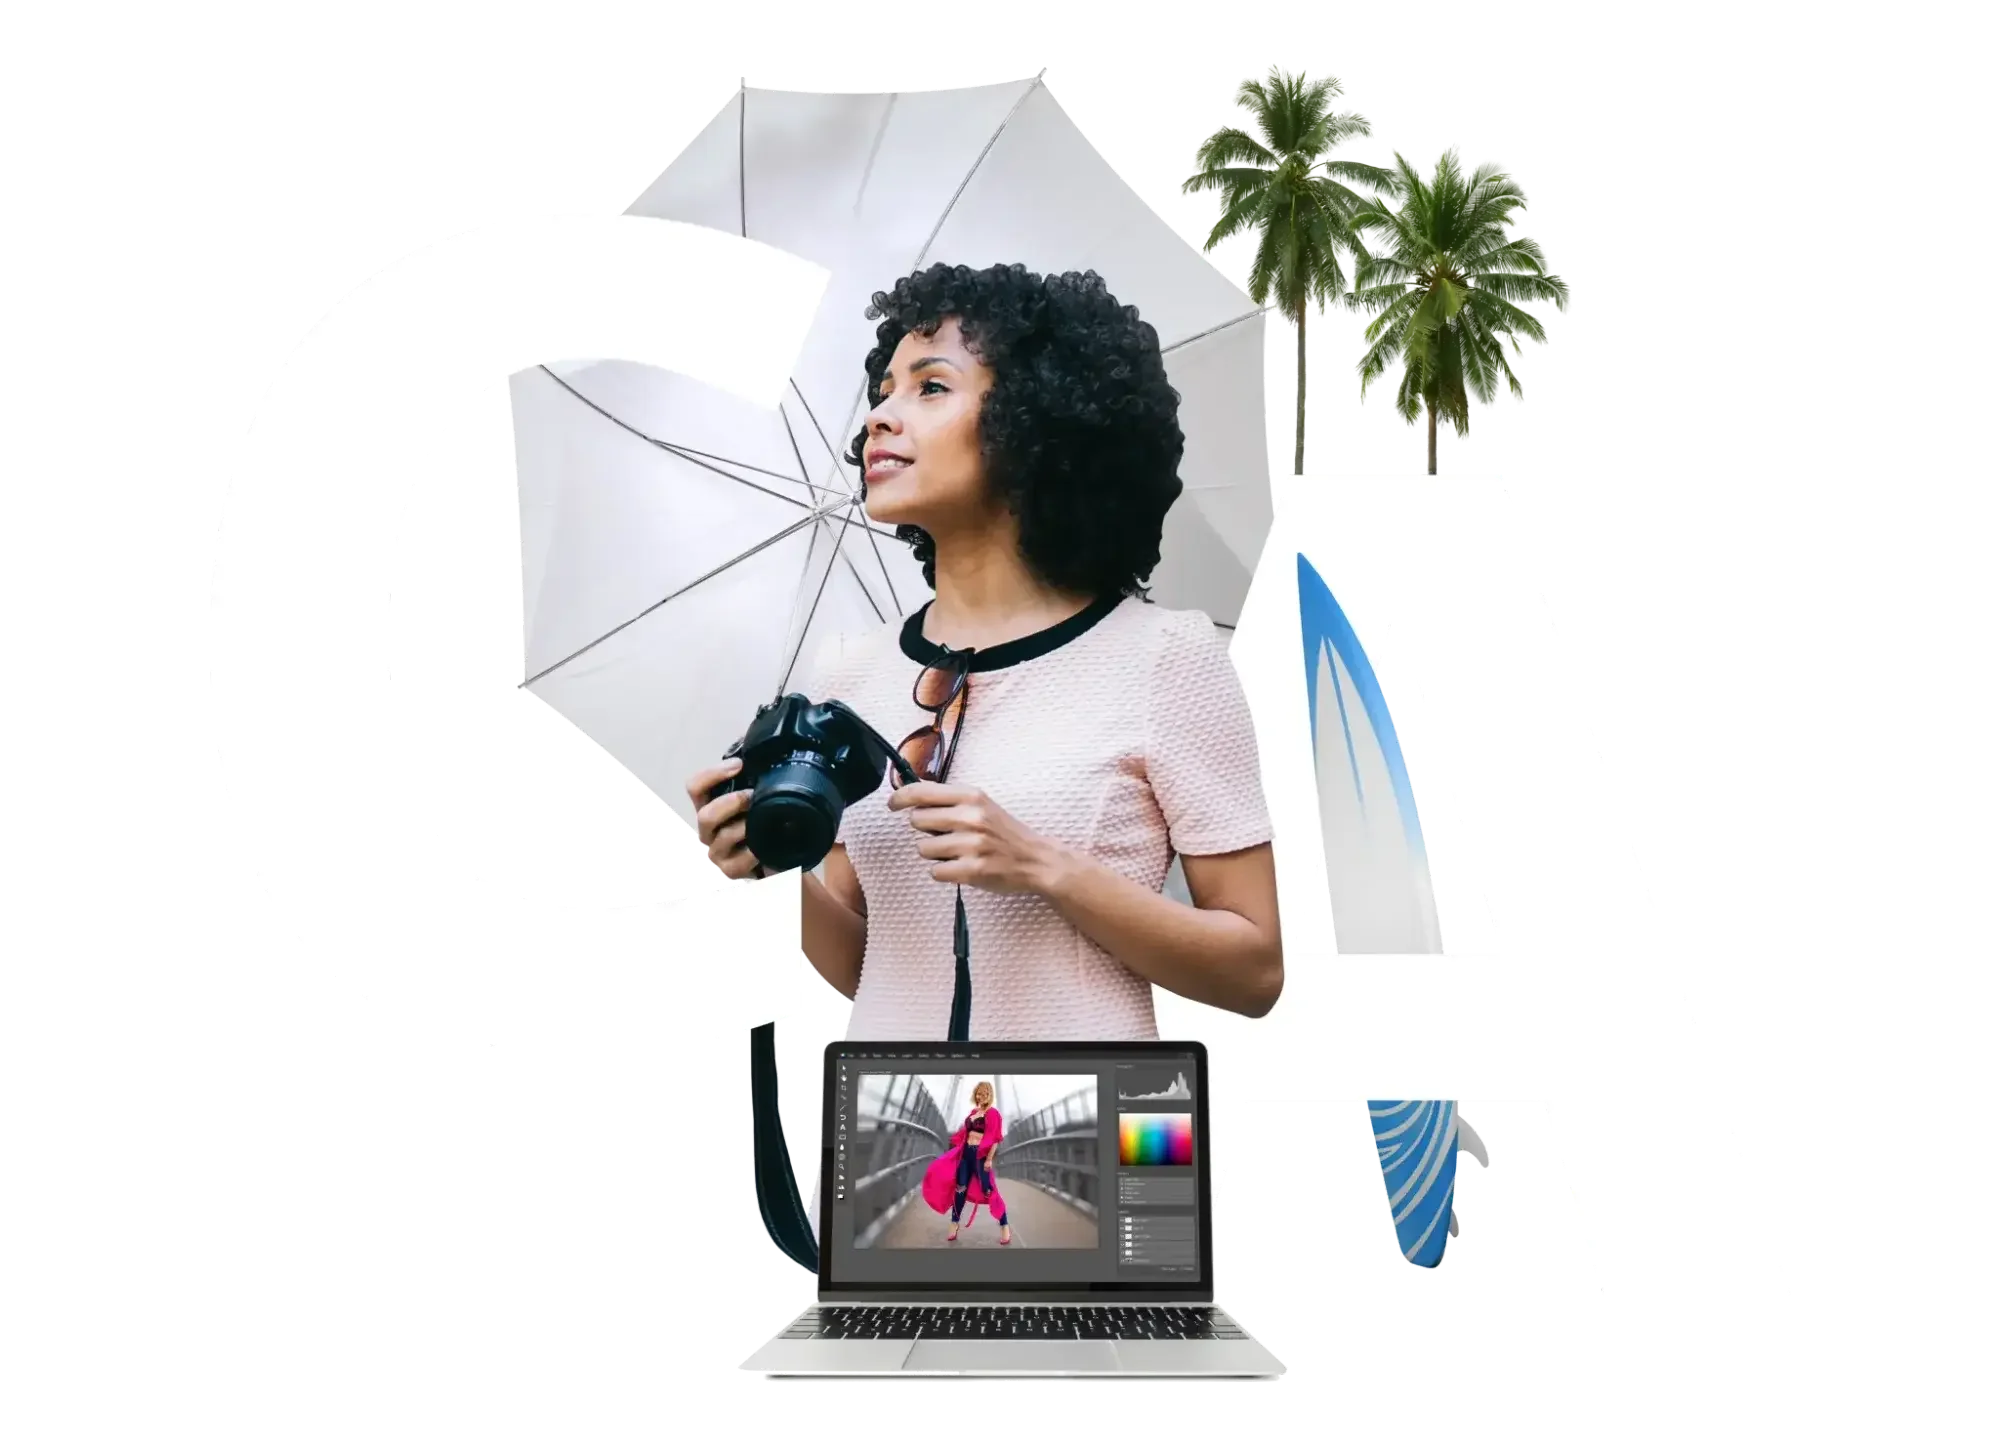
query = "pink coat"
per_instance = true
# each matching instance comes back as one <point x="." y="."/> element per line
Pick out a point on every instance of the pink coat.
<point x="941" y="1179"/>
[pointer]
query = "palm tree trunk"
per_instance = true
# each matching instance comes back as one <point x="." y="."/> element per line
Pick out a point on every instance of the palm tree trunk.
<point x="1431" y="412"/>
<point x="1299" y="451"/>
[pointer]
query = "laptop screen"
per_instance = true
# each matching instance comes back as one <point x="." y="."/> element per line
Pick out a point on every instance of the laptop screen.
<point x="996" y="1168"/>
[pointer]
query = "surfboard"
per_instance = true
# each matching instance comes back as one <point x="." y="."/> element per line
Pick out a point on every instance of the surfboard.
<point x="1417" y="1143"/>
<point x="1378" y="874"/>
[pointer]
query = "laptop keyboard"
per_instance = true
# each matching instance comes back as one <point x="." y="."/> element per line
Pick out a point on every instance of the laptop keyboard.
<point x="1013" y="1322"/>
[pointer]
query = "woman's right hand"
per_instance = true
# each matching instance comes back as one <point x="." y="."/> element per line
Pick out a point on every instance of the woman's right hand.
<point x="720" y="824"/>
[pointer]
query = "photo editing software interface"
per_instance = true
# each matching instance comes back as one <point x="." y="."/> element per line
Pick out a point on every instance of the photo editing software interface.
<point x="1009" y="1168"/>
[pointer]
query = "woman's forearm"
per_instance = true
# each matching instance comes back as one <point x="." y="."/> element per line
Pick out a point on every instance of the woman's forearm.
<point x="833" y="935"/>
<point x="1210" y="955"/>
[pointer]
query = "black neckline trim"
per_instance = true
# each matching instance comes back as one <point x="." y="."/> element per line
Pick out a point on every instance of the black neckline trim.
<point x="919" y="648"/>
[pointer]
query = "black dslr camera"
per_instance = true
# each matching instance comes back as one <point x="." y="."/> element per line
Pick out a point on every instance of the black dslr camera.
<point x="804" y="764"/>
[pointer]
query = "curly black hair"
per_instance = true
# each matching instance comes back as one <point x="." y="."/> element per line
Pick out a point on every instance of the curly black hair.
<point x="1080" y="432"/>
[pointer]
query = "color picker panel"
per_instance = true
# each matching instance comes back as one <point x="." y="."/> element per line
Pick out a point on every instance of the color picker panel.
<point x="1155" y="1139"/>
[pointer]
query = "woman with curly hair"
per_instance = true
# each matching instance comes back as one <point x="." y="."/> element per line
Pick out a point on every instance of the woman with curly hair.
<point x="1071" y="736"/>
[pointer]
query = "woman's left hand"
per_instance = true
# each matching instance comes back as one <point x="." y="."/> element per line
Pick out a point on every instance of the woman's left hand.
<point x="974" y="840"/>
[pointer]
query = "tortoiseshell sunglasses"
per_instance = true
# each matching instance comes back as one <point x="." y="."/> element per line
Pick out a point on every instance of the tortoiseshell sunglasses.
<point x="940" y="690"/>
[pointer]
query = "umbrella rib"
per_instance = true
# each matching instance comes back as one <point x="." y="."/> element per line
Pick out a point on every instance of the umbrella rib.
<point x="791" y="438"/>
<point x="837" y="537"/>
<point x="703" y="459"/>
<point x="873" y="606"/>
<point x="978" y="160"/>
<point x="881" y="561"/>
<point x="873" y="151"/>
<point x="742" y="166"/>
<point x="743" y="81"/>
<point x="805" y="625"/>
<point x="806" y="521"/>
<point x="692" y="455"/>
<point x="1219" y="326"/>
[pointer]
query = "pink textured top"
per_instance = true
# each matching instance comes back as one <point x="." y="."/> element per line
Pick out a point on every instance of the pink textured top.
<point x="1123" y="733"/>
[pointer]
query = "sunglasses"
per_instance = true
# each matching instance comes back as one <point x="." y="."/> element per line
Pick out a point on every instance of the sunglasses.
<point x="940" y="690"/>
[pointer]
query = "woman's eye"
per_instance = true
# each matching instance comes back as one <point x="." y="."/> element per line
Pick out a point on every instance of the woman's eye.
<point x="924" y="390"/>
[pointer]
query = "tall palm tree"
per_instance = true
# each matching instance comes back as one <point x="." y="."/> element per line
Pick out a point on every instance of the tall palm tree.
<point x="1445" y="292"/>
<point x="1294" y="199"/>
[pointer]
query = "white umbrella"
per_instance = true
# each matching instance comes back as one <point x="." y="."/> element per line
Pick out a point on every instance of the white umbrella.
<point x="685" y="551"/>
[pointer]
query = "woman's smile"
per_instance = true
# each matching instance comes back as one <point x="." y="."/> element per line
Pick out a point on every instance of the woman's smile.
<point x="883" y="464"/>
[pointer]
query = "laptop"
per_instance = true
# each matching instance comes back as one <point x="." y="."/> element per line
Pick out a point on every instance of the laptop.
<point x="1078" y="1175"/>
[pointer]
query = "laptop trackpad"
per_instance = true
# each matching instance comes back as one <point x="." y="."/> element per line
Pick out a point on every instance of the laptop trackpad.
<point x="1013" y="1357"/>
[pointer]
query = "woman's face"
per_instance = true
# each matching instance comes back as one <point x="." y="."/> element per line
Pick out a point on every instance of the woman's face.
<point x="921" y="464"/>
<point x="982" y="1096"/>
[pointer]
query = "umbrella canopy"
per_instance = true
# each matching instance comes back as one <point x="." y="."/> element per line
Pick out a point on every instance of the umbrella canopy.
<point x="685" y="552"/>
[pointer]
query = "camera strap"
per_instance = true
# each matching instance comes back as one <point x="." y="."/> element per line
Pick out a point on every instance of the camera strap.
<point x="777" y="1189"/>
<point x="961" y="976"/>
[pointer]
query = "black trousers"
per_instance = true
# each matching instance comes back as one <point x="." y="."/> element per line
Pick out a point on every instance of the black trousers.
<point x="968" y="1166"/>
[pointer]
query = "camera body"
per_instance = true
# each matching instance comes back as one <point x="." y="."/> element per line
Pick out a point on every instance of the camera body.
<point x="804" y="764"/>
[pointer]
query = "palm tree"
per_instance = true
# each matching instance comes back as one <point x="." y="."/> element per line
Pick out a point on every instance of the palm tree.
<point x="1445" y="292"/>
<point x="1280" y="185"/>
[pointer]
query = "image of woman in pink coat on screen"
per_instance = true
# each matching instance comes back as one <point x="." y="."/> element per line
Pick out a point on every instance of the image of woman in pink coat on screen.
<point x="964" y="1172"/>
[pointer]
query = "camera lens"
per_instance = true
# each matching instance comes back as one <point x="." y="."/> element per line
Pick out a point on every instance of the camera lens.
<point x="793" y="815"/>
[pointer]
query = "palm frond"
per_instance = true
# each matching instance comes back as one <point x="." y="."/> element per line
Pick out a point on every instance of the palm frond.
<point x="1377" y="299"/>
<point x="1373" y="217"/>
<point x="1477" y="354"/>
<point x="1547" y="291"/>
<point x="1257" y="279"/>
<point x="1404" y="182"/>
<point x="1346" y="126"/>
<point x="1409" y="397"/>
<point x="1529" y="253"/>
<point x="1325" y="282"/>
<point x="1451" y="221"/>
<point x="1486" y="216"/>
<point x="1490" y="180"/>
<point x="1387" y="273"/>
<point x="1457" y="411"/>
<point x="1255" y="99"/>
<point x="1395" y="317"/>
<point x="1336" y="199"/>
<point x="1430" y="315"/>
<point x="1375" y="360"/>
<point x="1507" y="319"/>
<point x="1369" y="373"/>
<point x="1231" y="147"/>
<point x="1451" y="296"/>
<point x="1226" y="178"/>
<point x="1242" y="214"/>
<point x="1308" y="101"/>
<point x="1243" y="203"/>
<point x="1363" y="173"/>
<point x="1451" y="173"/>
<point x="1495" y="252"/>
<point x="1319" y="131"/>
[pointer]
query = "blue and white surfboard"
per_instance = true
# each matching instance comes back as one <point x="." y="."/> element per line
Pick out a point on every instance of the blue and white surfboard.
<point x="1417" y="1143"/>
<point x="1376" y="870"/>
<point x="1421" y="1147"/>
